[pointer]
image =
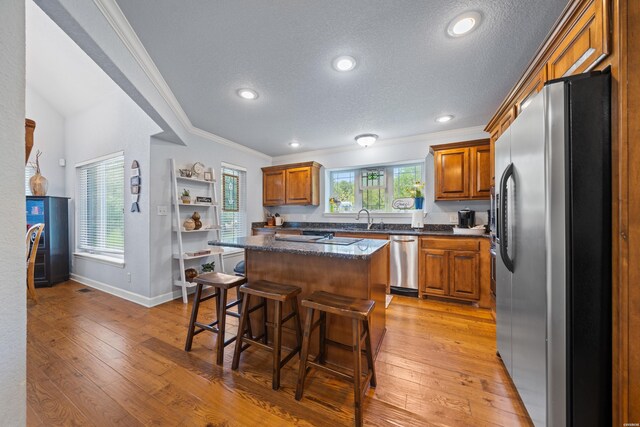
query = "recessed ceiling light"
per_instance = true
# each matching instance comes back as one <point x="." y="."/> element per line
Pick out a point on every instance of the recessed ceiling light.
<point x="344" y="63"/>
<point x="366" y="139"/>
<point x="294" y="144"/>
<point x="463" y="24"/>
<point x="249" y="94"/>
<point x="444" y="119"/>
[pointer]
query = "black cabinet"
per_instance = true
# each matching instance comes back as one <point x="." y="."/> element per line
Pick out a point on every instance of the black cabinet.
<point x="52" y="259"/>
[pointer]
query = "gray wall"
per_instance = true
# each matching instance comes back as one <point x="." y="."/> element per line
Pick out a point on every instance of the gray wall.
<point x="115" y="124"/>
<point x="12" y="268"/>
<point x="48" y="138"/>
<point x="385" y="152"/>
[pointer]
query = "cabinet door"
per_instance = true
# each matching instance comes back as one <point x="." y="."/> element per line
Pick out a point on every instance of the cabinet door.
<point x="452" y="174"/>
<point x="480" y="172"/>
<point x="464" y="268"/>
<point x="298" y="186"/>
<point x="492" y="153"/>
<point x="435" y="271"/>
<point x="584" y="46"/>
<point x="273" y="188"/>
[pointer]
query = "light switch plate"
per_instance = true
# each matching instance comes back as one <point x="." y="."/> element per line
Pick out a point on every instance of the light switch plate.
<point x="453" y="218"/>
<point x="162" y="210"/>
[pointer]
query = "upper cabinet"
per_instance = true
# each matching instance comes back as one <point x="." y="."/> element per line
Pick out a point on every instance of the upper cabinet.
<point x="295" y="184"/>
<point x="462" y="170"/>
<point x="578" y="43"/>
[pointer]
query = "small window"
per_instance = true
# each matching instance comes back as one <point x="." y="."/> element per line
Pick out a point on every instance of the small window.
<point x="234" y="202"/>
<point x="373" y="188"/>
<point x="29" y="171"/>
<point x="100" y="206"/>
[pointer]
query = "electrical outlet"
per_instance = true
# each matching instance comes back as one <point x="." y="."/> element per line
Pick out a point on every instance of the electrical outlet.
<point x="162" y="210"/>
<point x="453" y="218"/>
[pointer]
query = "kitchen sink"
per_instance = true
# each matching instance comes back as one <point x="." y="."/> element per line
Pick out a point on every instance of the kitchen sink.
<point x="342" y="241"/>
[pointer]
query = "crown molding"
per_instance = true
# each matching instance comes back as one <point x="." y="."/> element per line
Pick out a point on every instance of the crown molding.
<point x="473" y="132"/>
<point x="118" y="21"/>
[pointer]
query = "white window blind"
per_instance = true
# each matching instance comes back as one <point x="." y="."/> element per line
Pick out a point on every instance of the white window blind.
<point x="234" y="203"/>
<point x="100" y="206"/>
<point x="28" y="173"/>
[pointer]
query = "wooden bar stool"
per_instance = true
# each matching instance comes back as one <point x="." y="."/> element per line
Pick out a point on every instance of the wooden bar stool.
<point x="279" y="294"/>
<point x="359" y="310"/>
<point x="221" y="283"/>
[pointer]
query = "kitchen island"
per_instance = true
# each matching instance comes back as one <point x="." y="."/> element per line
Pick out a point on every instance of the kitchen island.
<point x="359" y="270"/>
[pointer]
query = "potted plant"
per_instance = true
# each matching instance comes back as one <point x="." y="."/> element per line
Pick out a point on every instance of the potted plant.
<point x="186" y="196"/>
<point x="208" y="267"/>
<point x="418" y="195"/>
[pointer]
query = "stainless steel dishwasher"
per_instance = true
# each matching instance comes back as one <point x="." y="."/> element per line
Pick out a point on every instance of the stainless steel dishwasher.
<point x="404" y="265"/>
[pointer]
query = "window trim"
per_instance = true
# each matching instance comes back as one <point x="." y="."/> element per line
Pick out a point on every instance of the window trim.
<point x="358" y="193"/>
<point x="115" y="259"/>
<point x="241" y="204"/>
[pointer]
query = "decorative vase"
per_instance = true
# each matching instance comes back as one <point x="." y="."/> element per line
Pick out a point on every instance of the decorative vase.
<point x="419" y="202"/>
<point x="38" y="185"/>
<point x="189" y="224"/>
<point x="196" y="220"/>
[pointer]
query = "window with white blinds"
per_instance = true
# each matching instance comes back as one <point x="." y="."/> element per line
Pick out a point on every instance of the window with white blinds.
<point x="28" y="173"/>
<point x="234" y="202"/>
<point x="100" y="206"/>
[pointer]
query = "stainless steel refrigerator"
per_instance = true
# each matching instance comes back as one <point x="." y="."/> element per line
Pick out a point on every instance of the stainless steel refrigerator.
<point x="553" y="290"/>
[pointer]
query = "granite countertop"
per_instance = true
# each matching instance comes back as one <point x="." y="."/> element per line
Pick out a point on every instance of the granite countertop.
<point x="395" y="229"/>
<point x="362" y="249"/>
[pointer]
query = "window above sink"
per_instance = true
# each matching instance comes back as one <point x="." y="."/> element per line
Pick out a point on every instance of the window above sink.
<point x="373" y="188"/>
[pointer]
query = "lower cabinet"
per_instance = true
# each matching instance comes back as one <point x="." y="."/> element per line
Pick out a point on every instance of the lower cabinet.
<point x="453" y="268"/>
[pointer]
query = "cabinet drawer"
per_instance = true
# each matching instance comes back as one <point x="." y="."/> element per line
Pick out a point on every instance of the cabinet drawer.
<point x="363" y="235"/>
<point x="452" y="243"/>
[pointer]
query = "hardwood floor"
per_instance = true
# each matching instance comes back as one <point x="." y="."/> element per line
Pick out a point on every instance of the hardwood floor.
<point x="95" y="359"/>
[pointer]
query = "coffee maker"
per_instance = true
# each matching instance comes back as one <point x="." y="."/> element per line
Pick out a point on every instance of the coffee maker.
<point x="466" y="218"/>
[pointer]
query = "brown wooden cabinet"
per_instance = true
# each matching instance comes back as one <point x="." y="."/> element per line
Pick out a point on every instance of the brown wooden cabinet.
<point x="454" y="267"/>
<point x="462" y="170"/>
<point x="273" y="185"/>
<point x="584" y="45"/>
<point x="295" y="184"/>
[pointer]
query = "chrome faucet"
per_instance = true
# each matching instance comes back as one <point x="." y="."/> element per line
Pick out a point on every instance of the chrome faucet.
<point x="369" y="221"/>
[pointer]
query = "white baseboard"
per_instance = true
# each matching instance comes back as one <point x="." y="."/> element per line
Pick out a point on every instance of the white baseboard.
<point x="128" y="295"/>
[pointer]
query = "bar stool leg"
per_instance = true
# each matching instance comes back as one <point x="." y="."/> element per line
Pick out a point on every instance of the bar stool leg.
<point x="222" y="320"/>
<point x="304" y="354"/>
<point x="298" y="326"/>
<point x="372" y="366"/>
<point x="194" y="316"/>
<point x="265" y="337"/>
<point x="322" y="350"/>
<point x="241" y="297"/>
<point x="277" y="345"/>
<point x="357" y="371"/>
<point x="244" y="318"/>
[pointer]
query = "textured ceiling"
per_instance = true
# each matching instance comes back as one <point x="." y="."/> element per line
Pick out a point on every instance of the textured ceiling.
<point x="409" y="71"/>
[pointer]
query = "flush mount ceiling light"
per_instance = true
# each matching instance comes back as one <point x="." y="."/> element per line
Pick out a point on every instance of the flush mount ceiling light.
<point x="344" y="63"/>
<point x="294" y="144"/>
<point x="366" y="139"/>
<point x="463" y="24"/>
<point x="249" y="94"/>
<point x="444" y="119"/>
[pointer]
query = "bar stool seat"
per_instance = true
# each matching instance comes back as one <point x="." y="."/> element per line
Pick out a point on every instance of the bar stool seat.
<point x="221" y="283"/>
<point x="279" y="294"/>
<point x="359" y="311"/>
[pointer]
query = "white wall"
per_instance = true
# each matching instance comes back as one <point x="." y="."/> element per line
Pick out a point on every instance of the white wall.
<point x="13" y="322"/>
<point x="48" y="138"/>
<point x="163" y="268"/>
<point x="115" y="124"/>
<point x="384" y="152"/>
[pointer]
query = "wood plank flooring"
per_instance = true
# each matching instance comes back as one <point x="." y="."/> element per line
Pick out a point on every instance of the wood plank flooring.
<point x="95" y="359"/>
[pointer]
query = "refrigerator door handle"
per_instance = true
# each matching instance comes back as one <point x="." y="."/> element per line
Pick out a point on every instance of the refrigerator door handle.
<point x="504" y="254"/>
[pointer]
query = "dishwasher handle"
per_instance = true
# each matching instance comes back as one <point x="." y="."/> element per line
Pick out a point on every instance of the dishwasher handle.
<point x="403" y="240"/>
